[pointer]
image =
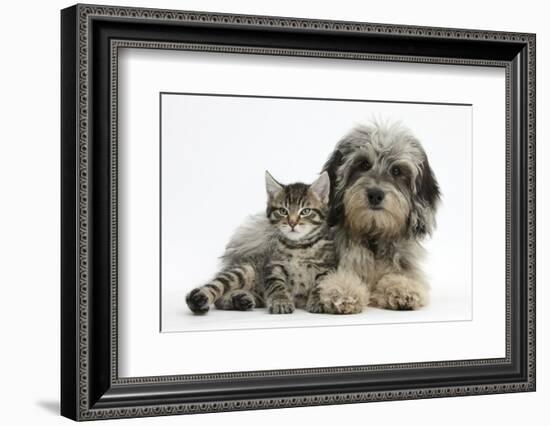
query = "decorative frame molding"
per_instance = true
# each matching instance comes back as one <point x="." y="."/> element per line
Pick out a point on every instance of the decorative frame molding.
<point x="91" y="37"/>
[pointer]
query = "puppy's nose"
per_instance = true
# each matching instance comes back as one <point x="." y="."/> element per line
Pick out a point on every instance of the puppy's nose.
<point x="375" y="196"/>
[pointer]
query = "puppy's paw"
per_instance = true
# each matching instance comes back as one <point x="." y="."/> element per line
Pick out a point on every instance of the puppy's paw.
<point x="198" y="301"/>
<point x="243" y="301"/>
<point x="404" y="301"/>
<point x="344" y="305"/>
<point x="399" y="293"/>
<point x="343" y="293"/>
<point x="280" y="306"/>
<point x="400" y="299"/>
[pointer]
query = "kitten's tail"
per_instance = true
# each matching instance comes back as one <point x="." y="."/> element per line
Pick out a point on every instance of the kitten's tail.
<point x="235" y="287"/>
<point x="237" y="277"/>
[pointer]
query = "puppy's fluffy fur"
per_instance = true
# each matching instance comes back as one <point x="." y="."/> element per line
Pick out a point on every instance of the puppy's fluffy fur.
<point x="384" y="197"/>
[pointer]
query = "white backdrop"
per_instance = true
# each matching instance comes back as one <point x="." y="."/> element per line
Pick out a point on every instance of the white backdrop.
<point x="29" y="225"/>
<point x="214" y="153"/>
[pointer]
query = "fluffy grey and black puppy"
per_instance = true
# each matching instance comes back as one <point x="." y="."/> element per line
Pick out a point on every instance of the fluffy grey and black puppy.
<point x="384" y="197"/>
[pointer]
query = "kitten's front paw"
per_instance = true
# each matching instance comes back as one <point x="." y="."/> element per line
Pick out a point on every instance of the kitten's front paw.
<point x="281" y="306"/>
<point x="316" y="308"/>
<point x="197" y="301"/>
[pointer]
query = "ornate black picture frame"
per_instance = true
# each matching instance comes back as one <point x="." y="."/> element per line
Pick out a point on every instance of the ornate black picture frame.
<point x="90" y="38"/>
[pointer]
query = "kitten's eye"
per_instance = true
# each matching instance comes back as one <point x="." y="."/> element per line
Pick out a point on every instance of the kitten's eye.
<point x="364" y="165"/>
<point x="396" y="171"/>
<point x="283" y="211"/>
<point x="305" y="212"/>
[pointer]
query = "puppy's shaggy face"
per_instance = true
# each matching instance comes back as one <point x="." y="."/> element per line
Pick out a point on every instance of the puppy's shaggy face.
<point x="384" y="187"/>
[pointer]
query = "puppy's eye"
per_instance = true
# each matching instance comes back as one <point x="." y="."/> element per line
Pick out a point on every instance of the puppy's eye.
<point x="396" y="171"/>
<point x="364" y="165"/>
<point x="282" y="211"/>
<point x="305" y="212"/>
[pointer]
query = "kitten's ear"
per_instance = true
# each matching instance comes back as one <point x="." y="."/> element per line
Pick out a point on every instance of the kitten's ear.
<point x="321" y="187"/>
<point x="272" y="186"/>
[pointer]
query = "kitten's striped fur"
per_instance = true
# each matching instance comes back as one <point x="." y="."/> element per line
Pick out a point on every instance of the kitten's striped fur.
<point x="277" y="259"/>
<point x="232" y="288"/>
<point x="303" y="252"/>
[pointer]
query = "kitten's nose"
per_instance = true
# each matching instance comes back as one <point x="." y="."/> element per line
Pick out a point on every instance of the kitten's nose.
<point x="292" y="222"/>
<point x="375" y="196"/>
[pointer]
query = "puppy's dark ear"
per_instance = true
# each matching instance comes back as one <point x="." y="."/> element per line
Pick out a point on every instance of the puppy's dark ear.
<point x="427" y="186"/>
<point x="425" y="203"/>
<point x="332" y="165"/>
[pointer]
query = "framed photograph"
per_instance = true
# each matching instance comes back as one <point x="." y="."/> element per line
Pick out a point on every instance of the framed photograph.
<point x="263" y="212"/>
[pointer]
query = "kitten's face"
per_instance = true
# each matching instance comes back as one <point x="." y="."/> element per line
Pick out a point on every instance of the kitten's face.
<point x="297" y="209"/>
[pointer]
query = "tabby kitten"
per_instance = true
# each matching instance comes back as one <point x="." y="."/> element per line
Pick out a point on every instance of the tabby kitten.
<point x="303" y="251"/>
<point x="283" y="265"/>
